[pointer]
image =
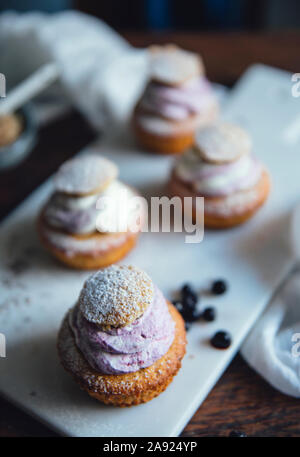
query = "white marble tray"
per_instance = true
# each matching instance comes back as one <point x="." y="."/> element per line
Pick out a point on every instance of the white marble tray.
<point x="36" y="291"/>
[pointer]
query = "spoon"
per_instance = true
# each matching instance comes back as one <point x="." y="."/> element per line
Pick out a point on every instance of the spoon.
<point x="29" y="88"/>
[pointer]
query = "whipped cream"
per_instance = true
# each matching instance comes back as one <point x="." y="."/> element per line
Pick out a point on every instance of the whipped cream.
<point x="218" y="180"/>
<point x="232" y="204"/>
<point x="92" y="245"/>
<point x="179" y="102"/>
<point x="74" y="203"/>
<point x="126" y="349"/>
<point x="81" y="215"/>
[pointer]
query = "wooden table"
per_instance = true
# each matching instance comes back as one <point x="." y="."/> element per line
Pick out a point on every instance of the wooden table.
<point x="241" y="400"/>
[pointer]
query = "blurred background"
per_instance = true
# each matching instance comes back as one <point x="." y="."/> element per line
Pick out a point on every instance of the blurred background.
<point x="192" y="15"/>
<point x="230" y="35"/>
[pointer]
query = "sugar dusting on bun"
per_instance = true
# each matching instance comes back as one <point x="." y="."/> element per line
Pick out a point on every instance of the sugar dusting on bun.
<point x="222" y="143"/>
<point x="171" y="65"/>
<point x="116" y="296"/>
<point x="85" y="175"/>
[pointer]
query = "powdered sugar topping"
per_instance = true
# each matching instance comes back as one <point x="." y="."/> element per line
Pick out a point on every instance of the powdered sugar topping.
<point x="85" y="174"/>
<point x="172" y="65"/>
<point x="222" y="143"/>
<point x="116" y="296"/>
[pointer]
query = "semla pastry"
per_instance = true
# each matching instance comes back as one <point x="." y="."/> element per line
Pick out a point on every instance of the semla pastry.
<point x="177" y="100"/>
<point x="122" y="341"/>
<point x="221" y="168"/>
<point x="69" y="225"/>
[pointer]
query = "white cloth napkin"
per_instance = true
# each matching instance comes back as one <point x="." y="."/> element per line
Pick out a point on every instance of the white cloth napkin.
<point x="272" y="347"/>
<point x="103" y="76"/>
<point x="100" y="72"/>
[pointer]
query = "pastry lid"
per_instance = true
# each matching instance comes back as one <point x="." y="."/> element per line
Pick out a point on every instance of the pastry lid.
<point x="173" y="66"/>
<point x="222" y="143"/>
<point x="85" y="175"/>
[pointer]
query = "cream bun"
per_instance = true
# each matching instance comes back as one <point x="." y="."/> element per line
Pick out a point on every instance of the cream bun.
<point x="78" y="222"/>
<point x="221" y="168"/>
<point x="133" y="360"/>
<point x="177" y="100"/>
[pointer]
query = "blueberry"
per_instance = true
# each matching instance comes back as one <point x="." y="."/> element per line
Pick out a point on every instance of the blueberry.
<point x="193" y="296"/>
<point x="189" y="301"/>
<point x="185" y="289"/>
<point x="219" y="287"/>
<point x="188" y="291"/>
<point x="190" y="314"/>
<point x="221" y="340"/>
<point x="209" y="314"/>
<point x="235" y="434"/>
<point x="187" y="326"/>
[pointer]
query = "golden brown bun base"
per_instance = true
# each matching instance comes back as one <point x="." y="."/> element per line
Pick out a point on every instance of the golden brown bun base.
<point x="170" y="144"/>
<point x="217" y="221"/>
<point x="89" y="261"/>
<point x="125" y="389"/>
<point x="174" y="144"/>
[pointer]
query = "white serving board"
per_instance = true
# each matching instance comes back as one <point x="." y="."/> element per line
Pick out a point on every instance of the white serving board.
<point x="36" y="291"/>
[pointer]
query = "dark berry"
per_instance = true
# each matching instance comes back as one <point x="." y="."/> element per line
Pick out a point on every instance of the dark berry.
<point x="187" y="326"/>
<point x="209" y="314"/>
<point x="221" y="340"/>
<point x="185" y="289"/>
<point x="235" y="434"/>
<point x="190" y="314"/>
<point x="189" y="301"/>
<point x="219" y="287"/>
<point x="188" y="291"/>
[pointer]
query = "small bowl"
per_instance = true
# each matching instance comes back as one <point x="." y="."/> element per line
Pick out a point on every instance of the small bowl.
<point x="15" y="152"/>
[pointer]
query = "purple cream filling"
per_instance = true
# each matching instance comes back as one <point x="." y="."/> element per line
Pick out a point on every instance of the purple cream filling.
<point x="221" y="180"/>
<point x="71" y="220"/>
<point x="129" y="348"/>
<point x="178" y="102"/>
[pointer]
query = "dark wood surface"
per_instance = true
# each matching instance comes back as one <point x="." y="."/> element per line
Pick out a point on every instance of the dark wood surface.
<point x="227" y="55"/>
<point x="241" y="400"/>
